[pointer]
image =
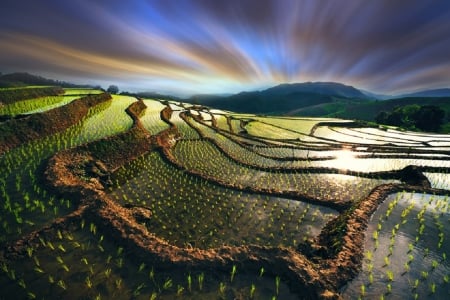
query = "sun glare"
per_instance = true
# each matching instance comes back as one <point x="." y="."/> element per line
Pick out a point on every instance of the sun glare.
<point x="345" y="159"/>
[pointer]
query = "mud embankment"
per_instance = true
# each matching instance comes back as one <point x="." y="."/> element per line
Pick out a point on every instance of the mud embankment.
<point x="17" y="131"/>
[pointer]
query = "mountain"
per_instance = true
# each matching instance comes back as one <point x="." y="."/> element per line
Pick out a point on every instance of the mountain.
<point x="322" y="88"/>
<point x="429" y="93"/>
<point x="375" y="96"/>
<point x="284" y="98"/>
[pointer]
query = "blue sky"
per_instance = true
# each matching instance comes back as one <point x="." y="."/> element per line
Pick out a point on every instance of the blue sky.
<point x="207" y="46"/>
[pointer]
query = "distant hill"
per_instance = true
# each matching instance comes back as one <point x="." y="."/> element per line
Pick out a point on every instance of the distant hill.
<point x="429" y="93"/>
<point x="375" y="96"/>
<point x="322" y="88"/>
<point x="24" y="79"/>
<point x="284" y="98"/>
<point x="322" y="99"/>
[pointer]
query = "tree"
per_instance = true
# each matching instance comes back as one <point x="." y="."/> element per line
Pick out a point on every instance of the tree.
<point x="413" y="117"/>
<point x="429" y="118"/>
<point x="396" y="118"/>
<point x="382" y="117"/>
<point x="113" y="89"/>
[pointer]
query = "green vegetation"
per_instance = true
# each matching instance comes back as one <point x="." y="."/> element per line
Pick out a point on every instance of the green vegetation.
<point x="369" y="110"/>
<point x="182" y="201"/>
<point x="414" y="117"/>
<point x="11" y="95"/>
<point x="81" y="91"/>
<point x="35" y="105"/>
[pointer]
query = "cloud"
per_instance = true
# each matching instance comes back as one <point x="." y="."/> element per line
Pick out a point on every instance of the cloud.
<point x="384" y="46"/>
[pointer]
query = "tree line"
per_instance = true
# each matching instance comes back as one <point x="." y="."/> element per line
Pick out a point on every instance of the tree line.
<point x="414" y="117"/>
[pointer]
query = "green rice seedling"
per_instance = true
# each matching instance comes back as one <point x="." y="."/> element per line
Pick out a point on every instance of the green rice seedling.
<point x="62" y="284"/>
<point x="433" y="288"/>
<point x="141" y="267"/>
<point x="168" y="284"/>
<point x="415" y="285"/>
<point x="375" y="235"/>
<point x="406" y="267"/>
<point x="434" y="264"/>
<point x="119" y="262"/>
<point x="387" y="261"/>
<point x="189" y="281"/>
<point x="180" y="290"/>
<point x="59" y="260"/>
<point x="61" y="247"/>
<point x="85" y="261"/>
<point x="88" y="282"/>
<point x="424" y="275"/>
<point x="29" y="251"/>
<point x="233" y="273"/>
<point x="36" y="261"/>
<point x="138" y="289"/>
<point x="390" y="275"/>
<point x="118" y="283"/>
<point x="252" y="291"/>
<point x="369" y="255"/>
<point x="107" y="272"/>
<point x="222" y="289"/>
<point x="22" y="283"/>
<point x="93" y="228"/>
<point x="153" y="296"/>
<point x="200" y="279"/>
<point x="12" y="274"/>
<point x="261" y="272"/>
<point x="277" y="284"/>
<point x="363" y="290"/>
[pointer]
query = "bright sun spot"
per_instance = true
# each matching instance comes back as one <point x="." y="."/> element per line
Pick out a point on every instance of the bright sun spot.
<point x="344" y="159"/>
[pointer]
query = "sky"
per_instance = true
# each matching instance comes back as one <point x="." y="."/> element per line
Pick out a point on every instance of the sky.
<point x="186" y="47"/>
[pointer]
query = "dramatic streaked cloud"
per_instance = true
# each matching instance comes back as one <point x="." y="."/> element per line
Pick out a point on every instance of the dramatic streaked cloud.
<point x="226" y="46"/>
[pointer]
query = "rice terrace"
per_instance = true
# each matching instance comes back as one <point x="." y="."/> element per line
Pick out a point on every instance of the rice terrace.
<point x="117" y="197"/>
<point x="224" y="150"/>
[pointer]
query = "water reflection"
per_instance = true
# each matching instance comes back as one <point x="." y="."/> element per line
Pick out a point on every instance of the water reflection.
<point x="405" y="252"/>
